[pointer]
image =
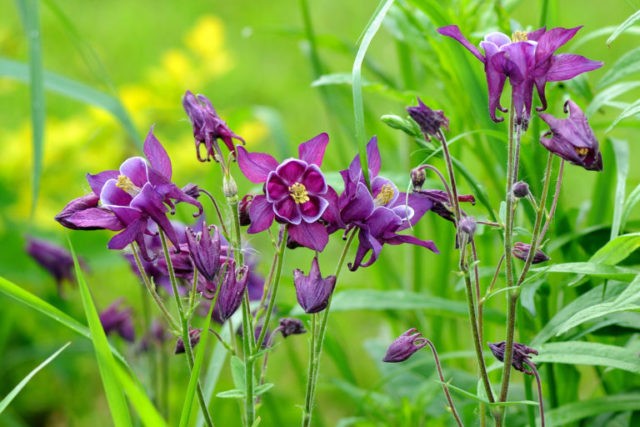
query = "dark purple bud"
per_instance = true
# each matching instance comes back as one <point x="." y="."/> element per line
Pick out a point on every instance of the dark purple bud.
<point x="521" y="251"/>
<point x="291" y="326"/>
<point x="191" y="190"/>
<point x="243" y="208"/>
<point x="313" y="292"/>
<point x="520" y="189"/>
<point x="418" y="177"/>
<point x="430" y="121"/>
<point x="231" y="292"/>
<point x="55" y="259"/>
<point x="521" y="355"/>
<point x="404" y="346"/>
<point x="194" y="339"/>
<point x="204" y="248"/>
<point x="117" y="320"/>
<point x="468" y="226"/>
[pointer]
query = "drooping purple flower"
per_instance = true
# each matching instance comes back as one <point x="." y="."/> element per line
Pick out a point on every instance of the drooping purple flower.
<point x="204" y="248"/>
<point x="521" y="355"/>
<point x="529" y="60"/>
<point x="572" y="138"/>
<point x="521" y="251"/>
<point x="231" y="291"/>
<point x="404" y="346"/>
<point x="115" y="319"/>
<point x="208" y="127"/>
<point x="442" y="205"/>
<point x="430" y="121"/>
<point x="290" y="326"/>
<point x="130" y="199"/>
<point x="295" y="192"/>
<point x="313" y="291"/>
<point x="378" y="214"/>
<point x="53" y="258"/>
<point x="194" y="339"/>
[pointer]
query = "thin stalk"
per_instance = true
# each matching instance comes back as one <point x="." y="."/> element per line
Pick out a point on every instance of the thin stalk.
<point x="316" y="348"/>
<point x="452" y="178"/>
<point x="554" y="203"/>
<point x="185" y="328"/>
<point x="476" y="282"/>
<point x="539" y="384"/>
<point x="445" y="388"/>
<point x="310" y="393"/>
<point x="217" y="209"/>
<point x="273" y="288"/>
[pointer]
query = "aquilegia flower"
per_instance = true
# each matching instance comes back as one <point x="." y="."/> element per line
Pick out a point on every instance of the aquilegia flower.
<point x="53" y="258"/>
<point x="295" y="192"/>
<point x="130" y="199"/>
<point x="529" y="60"/>
<point x="572" y="138"/>
<point x="313" y="291"/>
<point x="204" y="248"/>
<point x="404" y="346"/>
<point x="378" y="214"/>
<point x="208" y="127"/>
<point x="430" y="121"/>
<point x="521" y="251"/>
<point x="115" y="319"/>
<point x="521" y="355"/>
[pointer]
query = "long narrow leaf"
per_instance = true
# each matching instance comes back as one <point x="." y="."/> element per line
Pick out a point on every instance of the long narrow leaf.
<point x="621" y="29"/>
<point x="18" y="388"/>
<point x="589" y="353"/>
<point x="588" y="408"/>
<point x="621" y="150"/>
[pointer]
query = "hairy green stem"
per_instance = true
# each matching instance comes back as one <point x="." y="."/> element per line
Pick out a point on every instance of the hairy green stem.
<point x="445" y="387"/>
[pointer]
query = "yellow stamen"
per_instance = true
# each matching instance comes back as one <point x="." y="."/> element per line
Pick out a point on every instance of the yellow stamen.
<point x="581" y="151"/>
<point x="299" y="193"/>
<point x="385" y="195"/>
<point x="124" y="183"/>
<point x="519" y="36"/>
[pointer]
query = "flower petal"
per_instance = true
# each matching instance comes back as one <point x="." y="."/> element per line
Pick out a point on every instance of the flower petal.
<point x="312" y="151"/>
<point x="275" y="188"/>
<point x="287" y="210"/>
<point x="313" y="209"/>
<point x="255" y="166"/>
<point x="97" y="181"/>
<point x="567" y="66"/>
<point x="111" y="194"/>
<point x="291" y="171"/>
<point x="454" y="32"/>
<point x="310" y="235"/>
<point x="135" y="168"/>
<point x="261" y="214"/>
<point x="551" y="40"/>
<point x="314" y="181"/>
<point x="157" y="155"/>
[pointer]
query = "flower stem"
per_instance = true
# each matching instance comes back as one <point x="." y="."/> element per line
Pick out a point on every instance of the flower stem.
<point x="317" y="340"/>
<point x="445" y="387"/>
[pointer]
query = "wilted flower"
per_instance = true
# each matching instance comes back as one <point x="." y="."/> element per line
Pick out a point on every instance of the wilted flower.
<point x="521" y="251"/>
<point x="527" y="61"/>
<point x="204" y="248"/>
<point x="430" y="121"/>
<point x="55" y="259"/>
<point x="295" y="192"/>
<point x="404" y="346"/>
<point x="117" y="320"/>
<point x="313" y="291"/>
<point x="572" y="138"/>
<point x="290" y="326"/>
<point x="521" y="355"/>
<point x="208" y="127"/>
<point x="194" y="339"/>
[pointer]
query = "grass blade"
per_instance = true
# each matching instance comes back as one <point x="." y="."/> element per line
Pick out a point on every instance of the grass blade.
<point x="621" y="29"/>
<point x="621" y="150"/>
<point x="18" y="388"/>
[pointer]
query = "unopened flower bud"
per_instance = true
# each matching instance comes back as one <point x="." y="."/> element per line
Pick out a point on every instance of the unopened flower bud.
<point x="468" y="226"/>
<point x="291" y="326"/>
<point x="243" y="209"/>
<point x="404" y="346"/>
<point x="396" y="122"/>
<point x="521" y="355"/>
<point x="194" y="339"/>
<point x="521" y="251"/>
<point x="520" y="189"/>
<point x="430" y="121"/>
<point x="418" y="177"/>
<point x="191" y="190"/>
<point x="229" y="187"/>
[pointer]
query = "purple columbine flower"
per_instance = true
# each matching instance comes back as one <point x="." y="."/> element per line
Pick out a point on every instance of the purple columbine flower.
<point x="295" y="192"/>
<point x="442" y="205"/>
<point x="430" y="121"/>
<point x="290" y="326"/>
<point x="521" y="355"/>
<point x="194" y="339"/>
<point x="231" y="290"/>
<point x="528" y="60"/>
<point x="53" y="258"/>
<point x="521" y="251"/>
<point x="378" y="214"/>
<point x="208" y="127"/>
<point x="204" y="248"/>
<point x="404" y="346"/>
<point x="313" y="291"/>
<point x="572" y="138"/>
<point x="118" y="320"/>
<point x="130" y="199"/>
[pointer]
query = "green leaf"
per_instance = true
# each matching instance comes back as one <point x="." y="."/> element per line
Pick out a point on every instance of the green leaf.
<point x="630" y="111"/>
<point x="621" y="29"/>
<point x="231" y="394"/>
<point x="588" y="408"/>
<point x="617" y="250"/>
<point x="367" y="299"/>
<point x="77" y="91"/>
<point x="607" y="96"/>
<point x="589" y="353"/>
<point x="106" y="363"/>
<point x="628" y="64"/>
<point x="237" y="372"/>
<point x="591" y="269"/>
<point x="139" y="399"/>
<point x="18" y="388"/>
<point x="621" y="150"/>
<point x="629" y="204"/>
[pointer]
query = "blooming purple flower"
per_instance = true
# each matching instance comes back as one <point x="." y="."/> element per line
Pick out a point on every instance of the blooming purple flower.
<point x="521" y="355"/>
<point x="118" y="320"/>
<point x="53" y="258"/>
<point x="404" y="346"/>
<point x="295" y="192"/>
<point x="208" y="127"/>
<point x="313" y="291"/>
<point x="205" y="250"/>
<point x="378" y="214"/>
<point x="572" y="138"/>
<point x="521" y="251"/>
<point x="529" y="60"/>
<point x="130" y="199"/>
<point x="430" y="121"/>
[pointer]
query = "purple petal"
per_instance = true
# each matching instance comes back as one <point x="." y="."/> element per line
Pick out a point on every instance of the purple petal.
<point x="261" y="214"/>
<point x="310" y="235"/>
<point x="151" y="203"/>
<point x="113" y="195"/>
<point x="373" y="161"/>
<point x="497" y="39"/>
<point x="314" y="181"/>
<point x="359" y="207"/>
<point x="567" y="66"/>
<point x="97" y="181"/>
<point x="128" y="235"/>
<point x="95" y="219"/>
<point x="312" y="151"/>
<point x="551" y="40"/>
<point x="400" y="239"/>
<point x="287" y="210"/>
<point x="135" y="168"/>
<point x="275" y="188"/>
<point x="255" y="166"/>
<point x="291" y="170"/>
<point x="313" y="209"/>
<point x="157" y="155"/>
<point x="454" y="32"/>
